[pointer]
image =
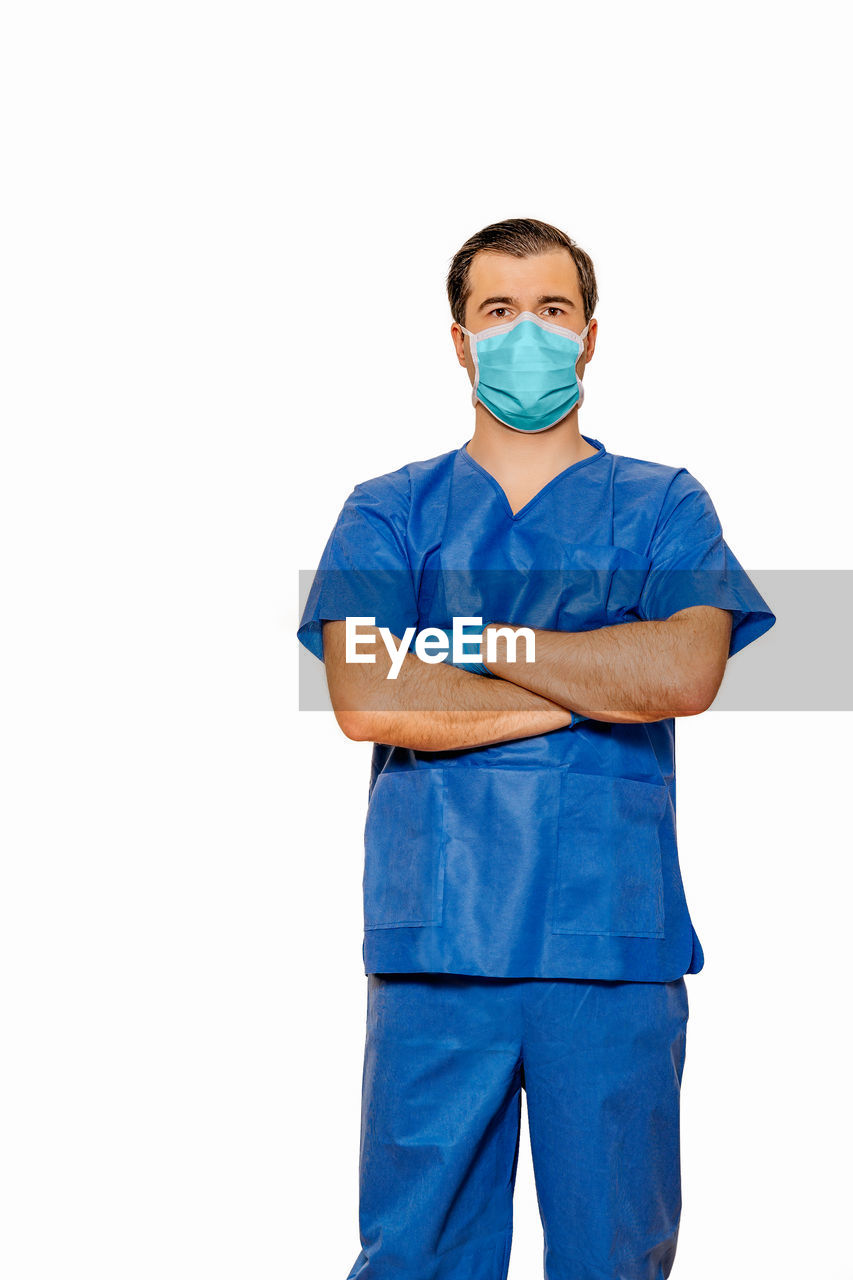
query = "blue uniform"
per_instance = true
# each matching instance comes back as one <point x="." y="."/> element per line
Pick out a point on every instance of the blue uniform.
<point x="446" y="1059"/>
<point x="525" y="919"/>
<point x="552" y="856"/>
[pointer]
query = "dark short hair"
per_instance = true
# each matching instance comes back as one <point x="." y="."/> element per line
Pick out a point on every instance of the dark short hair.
<point x="522" y="238"/>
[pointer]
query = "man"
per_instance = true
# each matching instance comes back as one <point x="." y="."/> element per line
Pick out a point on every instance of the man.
<point x="525" y="919"/>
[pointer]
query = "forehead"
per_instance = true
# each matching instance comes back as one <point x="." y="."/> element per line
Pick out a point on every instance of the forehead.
<point x="544" y="273"/>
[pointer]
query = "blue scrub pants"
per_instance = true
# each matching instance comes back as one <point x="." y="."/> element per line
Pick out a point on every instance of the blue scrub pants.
<point x="446" y="1058"/>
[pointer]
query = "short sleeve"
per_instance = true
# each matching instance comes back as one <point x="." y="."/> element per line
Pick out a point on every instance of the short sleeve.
<point x="692" y="564"/>
<point x="364" y="570"/>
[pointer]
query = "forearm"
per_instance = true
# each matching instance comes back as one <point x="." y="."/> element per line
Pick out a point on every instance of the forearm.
<point x="432" y="707"/>
<point x="631" y="672"/>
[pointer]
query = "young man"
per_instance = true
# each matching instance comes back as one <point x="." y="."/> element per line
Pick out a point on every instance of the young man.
<point x="525" y="919"/>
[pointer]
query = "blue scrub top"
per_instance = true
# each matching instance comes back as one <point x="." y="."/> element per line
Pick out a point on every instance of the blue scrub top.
<point x="551" y="856"/>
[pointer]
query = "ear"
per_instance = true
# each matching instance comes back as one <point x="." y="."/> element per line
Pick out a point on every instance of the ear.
<point x="459" y="338"/>
<point x="589" y="344"/>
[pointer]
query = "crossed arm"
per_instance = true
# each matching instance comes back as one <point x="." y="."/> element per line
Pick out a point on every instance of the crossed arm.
<point x="629" y="673"/>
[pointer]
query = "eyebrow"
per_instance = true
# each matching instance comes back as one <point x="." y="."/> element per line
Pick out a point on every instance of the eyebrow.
<point x="541" y="301"/>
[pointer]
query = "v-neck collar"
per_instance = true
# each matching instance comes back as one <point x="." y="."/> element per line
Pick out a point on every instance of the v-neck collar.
<point x="572" y="467"/>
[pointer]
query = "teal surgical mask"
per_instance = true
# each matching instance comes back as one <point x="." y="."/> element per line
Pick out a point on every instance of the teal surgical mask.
<point x="524" y="371"/>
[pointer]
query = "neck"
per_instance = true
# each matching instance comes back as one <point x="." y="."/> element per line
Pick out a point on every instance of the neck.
<point x="536" y="455"/>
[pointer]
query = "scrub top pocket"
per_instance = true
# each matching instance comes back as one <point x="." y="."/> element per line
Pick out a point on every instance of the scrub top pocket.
<point x="608" y="876"/>
<point x="404" y="839"/>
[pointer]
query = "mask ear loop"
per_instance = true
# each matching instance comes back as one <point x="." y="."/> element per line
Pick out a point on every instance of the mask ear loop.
<point x="579" y="381"/>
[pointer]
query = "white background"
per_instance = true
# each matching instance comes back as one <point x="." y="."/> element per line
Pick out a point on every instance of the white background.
<point x="226" y="233"/>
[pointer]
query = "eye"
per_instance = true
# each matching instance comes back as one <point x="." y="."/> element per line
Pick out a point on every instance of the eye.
<point x="494" y="310"/>
<point x="559" y="310"/>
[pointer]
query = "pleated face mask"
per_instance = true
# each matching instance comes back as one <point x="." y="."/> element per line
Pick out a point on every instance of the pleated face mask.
<point x="524" y="371"/>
